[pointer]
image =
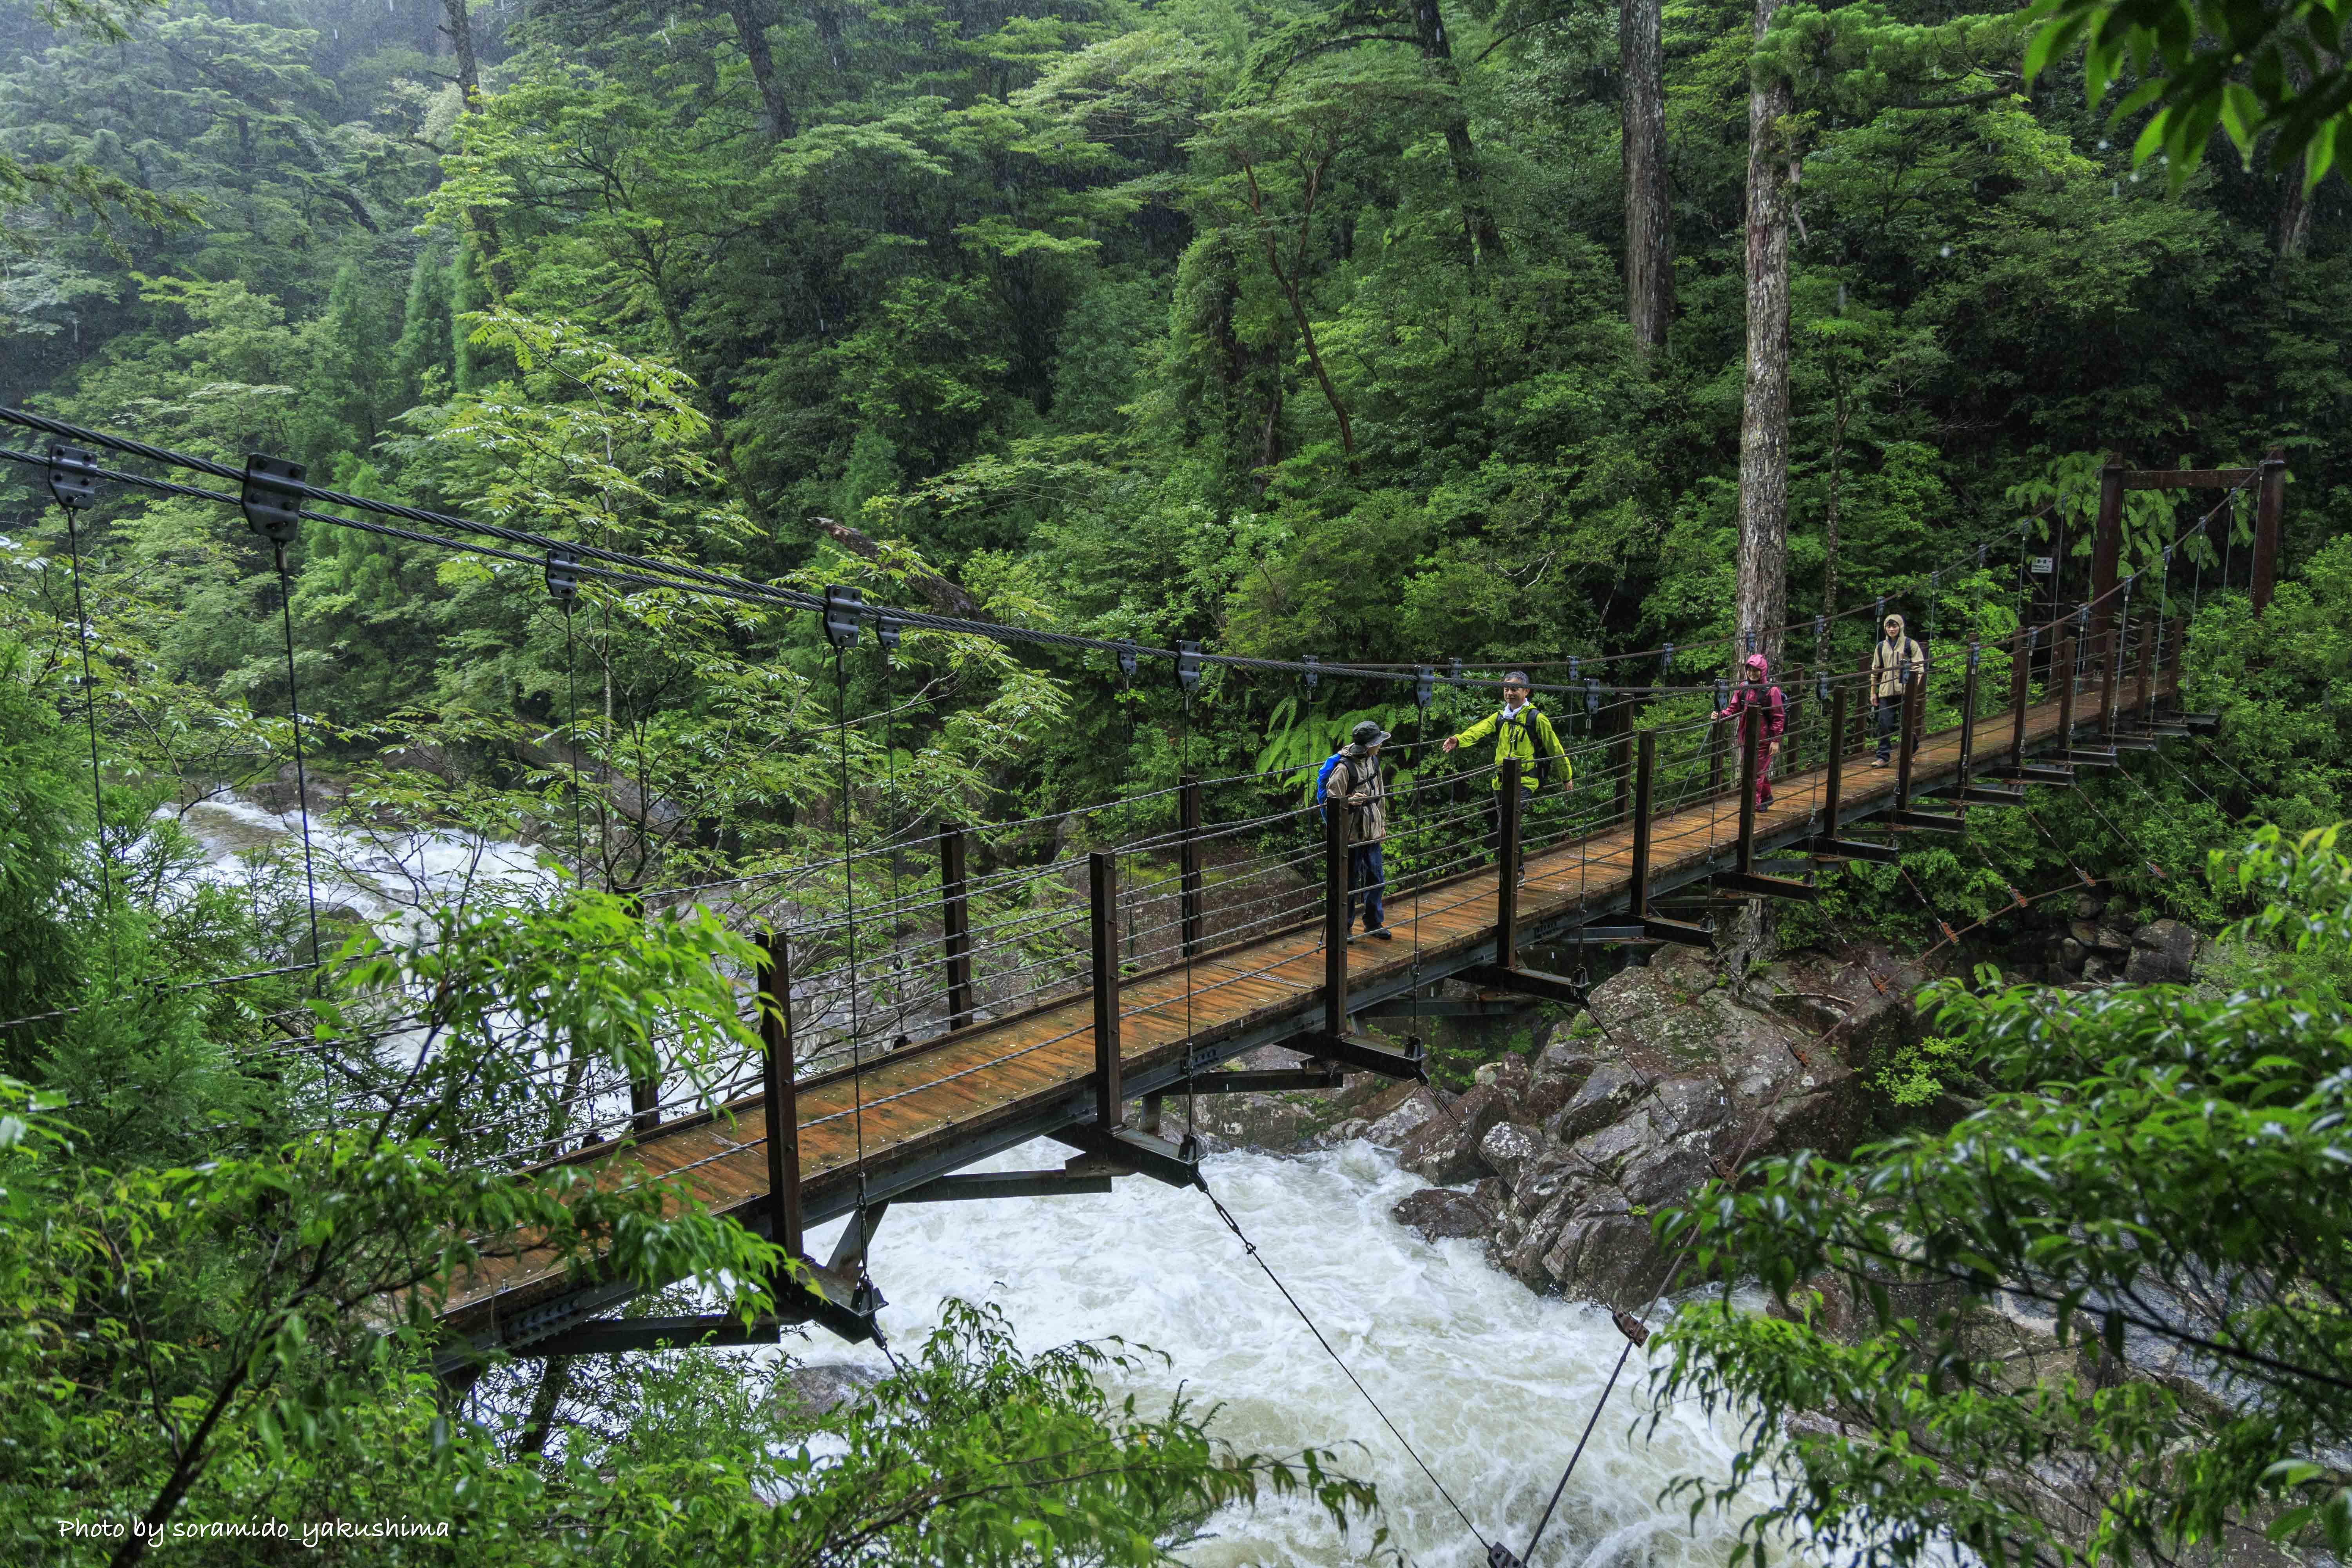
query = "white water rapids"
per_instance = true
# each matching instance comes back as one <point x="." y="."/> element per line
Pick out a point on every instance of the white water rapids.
<point x="1491" y="1382"/>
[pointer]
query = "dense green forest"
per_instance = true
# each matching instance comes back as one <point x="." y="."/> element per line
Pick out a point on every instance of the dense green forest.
<point x="1503" y="331"/>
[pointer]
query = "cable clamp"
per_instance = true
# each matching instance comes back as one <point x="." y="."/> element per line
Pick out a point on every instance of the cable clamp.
<point x="562" y="578"/>
<point x="1425" y="685"/>
<point x="1127" y="660"/>
<point x="1501" y="1556"/>
<point x="887" y="631"/>
<point x="843" y="609"/>
<point x="1311" y="675"/>
<point x="1633" y="1328"/>
<point x="1592" y="695"/>
<point x="273" y="497"/>
<point x="1188" y="664"/>
<point x="73" y="476"/>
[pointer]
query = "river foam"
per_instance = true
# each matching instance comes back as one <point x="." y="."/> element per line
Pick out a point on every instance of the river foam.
<point x="1491" y="1382"/>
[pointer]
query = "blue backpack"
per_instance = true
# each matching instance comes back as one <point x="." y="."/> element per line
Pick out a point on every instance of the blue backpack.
<point x="1323" y="774"/>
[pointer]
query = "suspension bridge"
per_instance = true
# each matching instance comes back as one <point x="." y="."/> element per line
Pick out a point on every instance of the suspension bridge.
<point x="1073" y="998"/>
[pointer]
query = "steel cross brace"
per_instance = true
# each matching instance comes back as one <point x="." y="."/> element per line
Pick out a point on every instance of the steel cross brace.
<point x="1536" y="983"/>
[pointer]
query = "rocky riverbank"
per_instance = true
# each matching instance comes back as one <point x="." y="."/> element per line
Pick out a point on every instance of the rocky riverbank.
<point x="1556" y="1159"/>
<point x="1677" y="1071"/>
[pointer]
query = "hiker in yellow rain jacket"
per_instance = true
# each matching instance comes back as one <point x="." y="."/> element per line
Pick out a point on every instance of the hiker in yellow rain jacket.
<point x="1520" y="730"/>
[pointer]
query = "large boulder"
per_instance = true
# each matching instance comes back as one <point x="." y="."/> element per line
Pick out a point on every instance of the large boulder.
<point x="1445" y="1148"/>
<point x="1440" y="1214"/>
<point x="1606" y="1094"/>
<point x="1393" y="1117"/>
<point x="1559" y="1070"/>
<point x="1509" y="1074"/>
<point x="2163" y="952"/>
<point x="1674" y="1073"/>
<point x="1508" y="1149"/>
<point x="1608" y="1257"/>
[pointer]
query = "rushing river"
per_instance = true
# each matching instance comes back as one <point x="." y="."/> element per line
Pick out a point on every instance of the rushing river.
<point x="1491" y="1382"/>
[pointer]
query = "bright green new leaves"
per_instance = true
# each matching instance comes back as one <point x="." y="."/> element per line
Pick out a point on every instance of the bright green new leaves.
<point x="2253" y="67"/>
<point x="2104" y="1317"/>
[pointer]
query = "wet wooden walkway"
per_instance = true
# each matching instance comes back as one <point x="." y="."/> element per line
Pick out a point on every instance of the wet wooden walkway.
<point x="924" y="1112"/>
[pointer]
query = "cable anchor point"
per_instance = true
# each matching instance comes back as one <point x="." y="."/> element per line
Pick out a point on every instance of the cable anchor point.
<point x="272" y="499"/>
<point x="563" y="577"/>
<point x="845" y="609"/>
<point x="73" y="476"/>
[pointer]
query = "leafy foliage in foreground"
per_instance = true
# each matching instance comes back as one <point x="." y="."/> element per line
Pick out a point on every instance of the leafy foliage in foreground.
<point x="2159" y="1188"/>
<point x="243" y="1339"/>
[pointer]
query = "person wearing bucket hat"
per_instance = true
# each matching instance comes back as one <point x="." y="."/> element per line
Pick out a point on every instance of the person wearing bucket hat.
<point x="1353" y="774"/>
<point x="1523" y="731"/>
<point x="1756" y="691"/>
<point x="1895" y="663"/>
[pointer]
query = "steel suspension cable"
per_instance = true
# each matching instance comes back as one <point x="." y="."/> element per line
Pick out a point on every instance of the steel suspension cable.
<point x="301" y="780"/>
<point x="1257" y="1257"/>
<point x="849" y="932"/>
<point x="97" y="778"/>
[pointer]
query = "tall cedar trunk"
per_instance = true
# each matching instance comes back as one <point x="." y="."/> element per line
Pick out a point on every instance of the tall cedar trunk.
<point x="2293" y="231"/>
<point x="485" y="226"/>
<point x="1830" y="524"/>
<point x="1486" y="239"/>
<point x="1763" y="584"/>
<point x="2294" y="215"/>
<point x="751" y="33"/>
<point x="1649" y="236"/>
<point x="1763" y="591"/>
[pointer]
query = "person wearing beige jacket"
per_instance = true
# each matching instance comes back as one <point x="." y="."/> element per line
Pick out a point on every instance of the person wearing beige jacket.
<point x="1894" y="662"/>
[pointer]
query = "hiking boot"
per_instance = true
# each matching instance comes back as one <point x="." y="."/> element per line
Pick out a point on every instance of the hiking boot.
<point x="1878" y="761"/>
<point x="1383" y="933"/>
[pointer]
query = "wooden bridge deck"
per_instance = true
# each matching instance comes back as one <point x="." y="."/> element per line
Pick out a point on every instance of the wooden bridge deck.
<point x="963" y="1096"/>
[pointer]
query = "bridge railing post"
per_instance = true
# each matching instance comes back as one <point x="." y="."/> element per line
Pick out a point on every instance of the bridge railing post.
<point x="1335" y="917"/>
<point x="2269" y="506"/>
<point x="2151" y="631"/>
<point x="1749" y="732"/>
<point x="1102" y="889"/>
<point x="1623" y="766"/>
<point x="1646" y="769"/>
<point x="1507" y="863"/>
<point x="1867" y="714"/>
<point x="2062" y="674"/>
<point x="1969" y="716"/>
<point x="2111" y="668"/>
<point x="778" y="1099"/>
<point x="1906" y="734"/>
<point x="955" y="923"/>
<point x="1188" y="804"/>
<point x="2021" y="690"/>
<point x="644" y="1093"/>
<point x="2169" y="663"/>
<point x="1835" y="786"/>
